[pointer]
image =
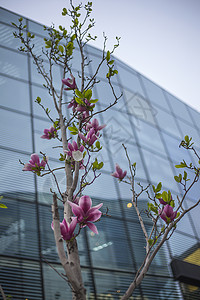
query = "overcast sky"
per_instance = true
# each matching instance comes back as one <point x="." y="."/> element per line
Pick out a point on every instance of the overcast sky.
<point x="159" y="38"/>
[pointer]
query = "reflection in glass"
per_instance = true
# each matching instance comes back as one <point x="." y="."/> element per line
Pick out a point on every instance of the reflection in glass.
<point x="12" y="134"/>
<point x="13" y="63"/>
<point x="14" y="94"/>
<point x="155" y="93"/>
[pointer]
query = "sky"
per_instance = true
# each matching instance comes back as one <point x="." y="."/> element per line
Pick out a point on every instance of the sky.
<point x="159" y="38"/>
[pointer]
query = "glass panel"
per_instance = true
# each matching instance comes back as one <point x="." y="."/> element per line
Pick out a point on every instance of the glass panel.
<point x="179" y="108"/>
<point x="176" y="153"/>
<point x="15" y="134"/>
<point x="15" y="94"/>
<point x="104" y="93"/>
<point x="103" y="68"/>
<point x="195" y="213"/>
<point x="184" y="225"/>
<point x="158" y="288"/>
<point x="44" y="145"/>
<point x="180" y="243"/>
<point x="190" y="131"/>
<point x="36" y="28"/>
<point x="160" y="170"/>
<point x="7" y="39"/>
<point x="120" y="131"/>
<point x="21" y="279"/>
<point x="194" y="193"/>
<point x="118" y="155"/>
<point x="17" y="236"/>
<point x="47" y="182"/>
<point x="112" y="285"/>
<point x="149" y="136"/>
<point x="13" y="181"/>
<point x="167" y="122"/>
<point x="107" y="250"/>
<point x="46" y="101"/>
<point x="155" y="93"/>
<point x="139" y="107"/>
<point x="57" y="289"/>
<point x="195" y="116"/>
<point x="130" y="80"/>
<point x="38" y="78"/>
<point x="102" y="187"/>
<point x="13" y="63"/>
<point x="8" y="17"/>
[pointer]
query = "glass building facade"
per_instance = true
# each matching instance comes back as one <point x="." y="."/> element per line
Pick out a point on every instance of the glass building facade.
<point x="149" y="121"/>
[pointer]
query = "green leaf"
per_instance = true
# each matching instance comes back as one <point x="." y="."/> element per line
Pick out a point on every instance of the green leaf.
<point x="64" y="12"/>
<point x="165" y="196"/>
<point x="108" y="56"/>
<point x="185" y="176"/>
<point x="158" y="196"/>
<point x="88" y="94"/>
<point x="163" y="228"/>
<point x="134" y="165"/>
<point x="169" y="196"/>
<point x="159" y="186"/>
<point x="111" y="62"/>
<point x="187" y="139"/>
<point x="98" y="144"/>
<point x="20" y="19"/>
<point x="2" y="205"/>
<point x="182" y="165"/>
<point x="150" y="241"/>
<point x="101" y="165"/>
<point x="177" y="178"/>
<point x="79" y="101"/>
<point x="28" y="34"/>
<point x="73" y="130"/>
<point x="94" y="101"/>
<point x="61" y="49"/>
<point x="38" y="100"/>
<point x="79" y="94"/>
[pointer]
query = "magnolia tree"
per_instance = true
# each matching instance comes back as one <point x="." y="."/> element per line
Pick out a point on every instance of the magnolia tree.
<point x="80" y="136"/>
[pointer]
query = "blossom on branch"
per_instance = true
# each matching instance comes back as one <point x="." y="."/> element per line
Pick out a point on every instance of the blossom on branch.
<point x="167" y="213"/>
<point x="34" y="164"/>
<point x="95" y="124"/>
<point x="50" y="133"/>
<point x="67" y="229"/>
<point x="119" y="173"/>
<point x="90" y="138"/>
<point x="86" y="106"/>
<point x="70" y="82"/>
<point x="75" y="152"/>
<point x="85" y="213"/>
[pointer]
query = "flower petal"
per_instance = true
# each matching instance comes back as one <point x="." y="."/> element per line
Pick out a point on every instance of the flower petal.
<point x="85" y="203"/>
<point x="77" y="210"/>
<point x="92" y="227"/>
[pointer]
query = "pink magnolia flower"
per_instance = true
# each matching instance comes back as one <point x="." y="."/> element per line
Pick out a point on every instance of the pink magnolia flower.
<point x="75" y="152"/>
<point x="94" y="124"/>
<point x="71" y="83"/>
<point x="50" y="133"/>
<point x="67" y="229"/>
<point x="162" y="201"/>
<point x="119" y="173"/>
<point x="85" y="213"/>
<point x="86" y="107"/>
<point x="167" y="213"/>
<point x="90" y="138"/>
<point x="34" y="164"/>
<point x="73" y="104"/>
